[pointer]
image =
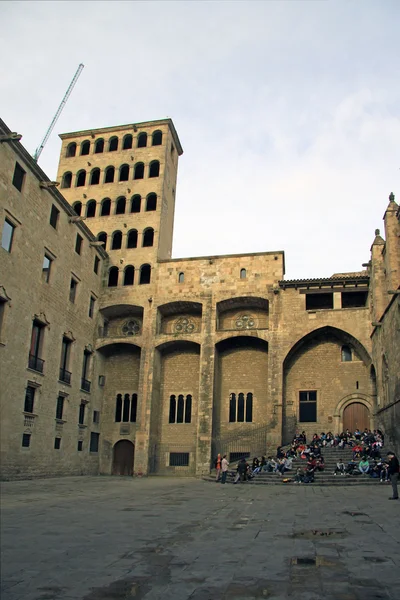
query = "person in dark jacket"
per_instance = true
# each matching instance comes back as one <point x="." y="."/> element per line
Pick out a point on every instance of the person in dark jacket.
<point x="393" y="472"/>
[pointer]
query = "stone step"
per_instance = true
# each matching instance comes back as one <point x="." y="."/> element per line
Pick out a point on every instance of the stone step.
<point x="335" y="481"/>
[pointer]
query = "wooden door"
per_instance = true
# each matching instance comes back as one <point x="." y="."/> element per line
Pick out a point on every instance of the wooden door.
<point x="355" y="416"/>
<point x="123" y="457"/>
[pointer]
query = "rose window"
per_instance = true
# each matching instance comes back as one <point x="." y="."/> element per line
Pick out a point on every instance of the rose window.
<point x="131" y="327"/>
<point x="184" y="325"/>
<point x="245" y="322"/>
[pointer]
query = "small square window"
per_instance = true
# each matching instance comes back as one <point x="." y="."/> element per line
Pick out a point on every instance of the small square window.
<point x="94" y="442"/>
<point x="54" y="214"/>
<point x="78" y="244"/>
<point x="92" y="304"/>
<point x="19" y="176"/>
<point x="26" y="440"/>
<point x="72" y="289"/>
<point x="7" y="235"/>
<point x="80" y="446"/>
<point x="46" y="267"/>
<point x="57" y="443"/>
<point x="96" y="264"/>
<point x="96" y="416"/>
<point x="179" y="459"/>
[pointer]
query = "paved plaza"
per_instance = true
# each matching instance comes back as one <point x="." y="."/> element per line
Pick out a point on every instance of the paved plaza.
<point x="103" y="538"/>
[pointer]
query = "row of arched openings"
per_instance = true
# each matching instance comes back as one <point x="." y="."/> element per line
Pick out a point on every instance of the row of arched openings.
<point x="131" y="239"/>
<point x="121" y="203"/>
<point x="129" y="275"/>
<point x="113" y="143"/>
<point x="180" y="409"/>
<point x="109" y="174"/>
<point x="241" y="408"/>
<point x="126" y="408"/>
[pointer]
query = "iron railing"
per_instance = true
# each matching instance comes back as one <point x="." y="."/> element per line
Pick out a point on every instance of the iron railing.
<point x="35" y="363"/>
<point x="85" y="385"/>
<point x="65" y="375"/>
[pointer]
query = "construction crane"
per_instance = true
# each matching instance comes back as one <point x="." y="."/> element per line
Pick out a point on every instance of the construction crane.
<point x="38" y="150"/>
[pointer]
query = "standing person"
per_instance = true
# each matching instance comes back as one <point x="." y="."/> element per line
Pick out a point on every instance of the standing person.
<point x="217" y="463"/>
<point x="224" y="468"/>
<point x="393" y="472"/>
<point x="242" y="469"/>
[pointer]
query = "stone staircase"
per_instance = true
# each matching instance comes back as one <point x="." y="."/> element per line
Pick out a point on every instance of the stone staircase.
<point x="325" y="477"/>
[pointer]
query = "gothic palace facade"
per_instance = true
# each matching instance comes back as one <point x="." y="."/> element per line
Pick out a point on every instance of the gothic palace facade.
<point x="117" y="358"/>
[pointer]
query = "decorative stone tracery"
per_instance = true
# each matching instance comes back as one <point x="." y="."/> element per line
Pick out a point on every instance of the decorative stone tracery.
<point x="131" y="327"/>
<point x="184" y="325"/>
<point x="246" y="321"/>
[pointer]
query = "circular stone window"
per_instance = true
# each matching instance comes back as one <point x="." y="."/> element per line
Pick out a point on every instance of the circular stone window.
<point x="131" y="327"/>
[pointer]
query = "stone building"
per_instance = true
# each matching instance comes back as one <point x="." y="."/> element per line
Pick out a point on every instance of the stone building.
<point x="188" y="356"/>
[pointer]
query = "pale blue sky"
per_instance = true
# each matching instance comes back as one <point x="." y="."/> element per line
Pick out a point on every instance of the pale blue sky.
<point x="288" y="112"/>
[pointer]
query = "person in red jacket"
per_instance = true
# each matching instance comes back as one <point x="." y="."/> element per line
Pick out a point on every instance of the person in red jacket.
<point x="393" y="472"/>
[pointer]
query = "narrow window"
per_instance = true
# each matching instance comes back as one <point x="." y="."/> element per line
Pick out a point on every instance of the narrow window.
<point x="73" y="286"/>
<point x="102" y="237"/>
<point x="99" y="146"/>
<point x="91" y="209"/>
<point x="249" y="407"/>
<point x="113" y="144"/>
<point x="96" y="264"/>
<point x="78" y="244"/>
<point x="346" y="354"/>
<point x="319" y="301"/>
<point x="96" y="416"/>
<point x="116" y="240"/>
<point x="66" y="180"/>
<point x="157" y="138"/>
<point x="124" y="173"/>
<point x="85" y="383"/>
<point x="180" y="409"/>
<point x="81" y="416"/>
<point x="57" y="443"/>
<point x="148" y="237"/>
<point x="92" y="304"/>
<point x="109" y="175"/>
<point x="120" y="206"/>
<point x="80" y="445"/>
<point x="54" y="215"/>
<point x="151" y="202"/>
<point x="135" y="203"/>
<point x="232" y="408"/>
<point x="188" y="409"/>
<point x="94" y="442"/>
<point x="65" y="375"/>
<point x="172" y="150"/>
<point x="243" y="274"/>
<point x="7" y="235"/>
<point x="2" y="306"/>
<point x="308" y="407"/>
<point x="71" y="150"/>
<point x="132" y="239"/>
<point x="29" y="399"/>
<point x="129" y="275"/>
<point x="172" y="409"/>
<point x="127" y="143"/>
<point x="133" y="408"/>
<point x="60" y="407"/>
<point x="105" y="207"/>
<point x="138" y="171"/>
<point x="179" y="459"/>
<point x="35" y="362"/>
<point x="118" y="408"/>
<point x="145" y="274"/>
<point x="142" y="140"/>
<point x="154" y="169"/>
<point x="181" y="277"/>
<point x="113" y="277"/>
<point x="81" y="178"/>
<point x="77" y="206"/>
<point x="240" y="408"/>
<point x="26" y="440"/>
<point x="46" y="268"/>
<point x="85" y="148"/>
<point x="19" y="176"/>
<point x="126" y="408"/>
<point x="95" y="177"/>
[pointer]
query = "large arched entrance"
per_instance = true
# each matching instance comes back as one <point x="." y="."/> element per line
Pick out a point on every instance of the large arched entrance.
<point x="356" y="416"/>
<point x="123" y="456"/>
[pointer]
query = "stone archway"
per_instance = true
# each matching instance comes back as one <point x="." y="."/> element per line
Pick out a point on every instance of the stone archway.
<point x="123" y="457"/>
<point x="356" y="415"/>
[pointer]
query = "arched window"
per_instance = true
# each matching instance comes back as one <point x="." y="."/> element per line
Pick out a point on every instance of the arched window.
<point x="77" y="206"/>
<point x="99" y="146"/>
<point x="95" y="177"/>
<point x="243" y="274"/>
<point x="157" y="138"/>
<point x="181" y="277"/>
<point x="129" y="275"/>
<point x="85" y="148"/>
<point x="118" y="409"/>
<point x="132" y="239"/>
<point x="151" y="202"/>
<point x="127" y="406"/>
<point x="105" y="207"/>
<point x="249" y="407"/>
<point x="154" y="168"/>
<point x="180" y="409"/>
<point x="142" y="140"/>
<point x="145" y="274"/>
<point x="172" y="409"/>
<point x="81" y="178"/>
<point x="232" y="408"/>
<point x="135" y="203"/>
<point x="139" y="171"/>
<point x="71" y="150"/>
<point x="127" y="143"/>
<point x="188" y="411"/>
<point x="346" y="354"/>
<point x="133" y="408"/>
<point x="67" y="180"/>
<point x="148" y="237"/>
<point x="120" y="206"/>
<point x="113" y="277"/>
<point x="116" y="240"/>
<point x="124" y="173"/>
<point x="113" y="144"/>
<point x="102" y="237"/>
<point x="240" y="408"/>
<point x="109" y="175"/>
<point x="91" y="209"/>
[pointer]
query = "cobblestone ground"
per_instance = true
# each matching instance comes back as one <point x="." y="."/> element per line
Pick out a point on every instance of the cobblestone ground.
<point x="104" y="538"/>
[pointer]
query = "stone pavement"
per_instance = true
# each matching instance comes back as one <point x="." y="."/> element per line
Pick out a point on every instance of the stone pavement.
<point x="103" y="538"/>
